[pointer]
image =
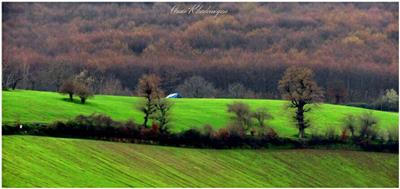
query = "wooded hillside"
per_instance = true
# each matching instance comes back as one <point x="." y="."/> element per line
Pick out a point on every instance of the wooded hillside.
<point x="352" y="47"/>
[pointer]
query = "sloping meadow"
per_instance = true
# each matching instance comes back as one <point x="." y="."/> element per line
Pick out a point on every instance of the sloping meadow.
<point x="45" y="107"/>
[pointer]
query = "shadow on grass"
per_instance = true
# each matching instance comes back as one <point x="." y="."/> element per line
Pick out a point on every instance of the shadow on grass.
<point x="77" y="101"/>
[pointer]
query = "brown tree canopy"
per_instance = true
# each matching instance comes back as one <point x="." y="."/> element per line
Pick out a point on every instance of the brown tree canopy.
<point x="68" y="87"/>
<point x="83" y="91"/>
<point x="149" y="86"/>
<point x="196" y="87"/>
<point x="298" y="86"/>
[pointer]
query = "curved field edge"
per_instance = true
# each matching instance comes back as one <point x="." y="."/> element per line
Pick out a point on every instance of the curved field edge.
<point x="31" y="161"/>
<point x="44" y="107"/>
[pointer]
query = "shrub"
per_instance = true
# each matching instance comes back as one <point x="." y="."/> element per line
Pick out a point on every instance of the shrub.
<point x="331" y="134"/>
<point x="271" y="134"/>
<point x="315" y="134"/>
<point x="387" y="102"/>
<point x="191" y="137"/>
<point x="222" y="134"/>
<point x="162" y="114"/>
<point x="393" y="134"/>
<point x="241" y="120"/>
<point x="368" y="124"/>
<point x="129" y="130"/>
<point x="261" y="114"/>
<point x="349" y="123"/>
<point x="92" y="126"/>
<point x="236" y="129"/>
<point x="344" y="135"/>
<point x="207" y="130"/>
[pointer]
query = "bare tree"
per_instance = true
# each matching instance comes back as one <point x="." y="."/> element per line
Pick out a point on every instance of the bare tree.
<point x="149" y="88"/>
<point x="57" y="72"/>
<point x="261" y="114"/>
<point x="170" y="77"/>
<point x="336" y="91"/>
<point x="12" y="74"/>
<point x="111" y="86"/>
<point x="83" y="83"/>
<point x="298" y="86"/>
<point x="68" y="87"/>
<point x="26" y="75"/>
<point x="83" y="91"/>
<point x="6" y="74"/>
<point x="197" y="87"/>
<point x="237" y="90"/>
<point x="242" y="115"/>
<point x="350" y="124"/>
<point x="162" y="114"/>
<point x="368" y="126"/>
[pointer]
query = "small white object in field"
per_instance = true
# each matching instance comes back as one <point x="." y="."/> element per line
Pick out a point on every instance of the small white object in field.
<point x="20" y="126"/>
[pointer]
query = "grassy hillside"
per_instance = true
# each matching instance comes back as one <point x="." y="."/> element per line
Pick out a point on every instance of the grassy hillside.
<point x="30" y="161"/>
<point x="36" y="106"/>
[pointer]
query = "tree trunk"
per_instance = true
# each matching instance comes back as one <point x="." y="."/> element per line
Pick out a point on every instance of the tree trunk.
<point x="300" y="119"/>
<point x="337" y="99"/>
<point x="5" y="82"/>
<point x="146" y="118"/>
<point x="83" y="100"/>
<point x="149" y="109"/>
<point x="301" y="132"/>
<point x="70" y="97"/>
<point x="14" y="85"/>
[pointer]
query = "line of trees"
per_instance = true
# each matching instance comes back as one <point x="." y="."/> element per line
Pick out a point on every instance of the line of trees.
<point x="342" y="85"/>
<point x="389" y="101"/>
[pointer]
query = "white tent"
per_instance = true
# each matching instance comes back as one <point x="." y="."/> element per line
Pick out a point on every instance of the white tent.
<point x="174" y="95"/>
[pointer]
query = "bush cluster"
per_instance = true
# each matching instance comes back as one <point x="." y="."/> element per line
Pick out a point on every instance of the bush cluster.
<point x="102" y="127"/>
<point x="389" y="101"/>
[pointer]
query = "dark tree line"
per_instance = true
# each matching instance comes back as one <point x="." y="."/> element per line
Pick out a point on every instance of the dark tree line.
<point x="234" y="81"/>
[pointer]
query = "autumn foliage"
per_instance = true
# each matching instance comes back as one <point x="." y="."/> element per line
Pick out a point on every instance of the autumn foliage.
<point x="352" y="47"/>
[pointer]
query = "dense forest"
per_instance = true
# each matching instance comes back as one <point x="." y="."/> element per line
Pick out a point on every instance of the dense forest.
<point x="351" y="47"/>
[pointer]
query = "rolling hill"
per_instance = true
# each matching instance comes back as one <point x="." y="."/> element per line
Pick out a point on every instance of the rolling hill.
<point x="37" y="106"/>
<point x="31" y="161"/>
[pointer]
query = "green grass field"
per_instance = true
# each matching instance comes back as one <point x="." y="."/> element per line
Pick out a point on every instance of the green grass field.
<point x="31" y="161"/>
<point x="36" y="106"/>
